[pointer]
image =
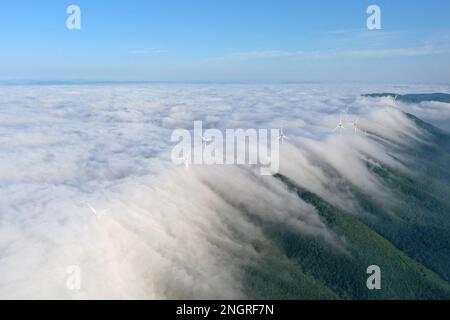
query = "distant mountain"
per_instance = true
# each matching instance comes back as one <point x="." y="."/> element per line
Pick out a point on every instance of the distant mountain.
<point x="413" y="98"/>
<point x="411" y="243"/>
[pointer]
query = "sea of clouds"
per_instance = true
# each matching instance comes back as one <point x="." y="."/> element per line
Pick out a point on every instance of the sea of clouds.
<point x="162" y="231"/>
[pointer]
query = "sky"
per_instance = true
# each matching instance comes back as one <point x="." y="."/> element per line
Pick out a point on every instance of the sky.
<point x="232" y="40"/>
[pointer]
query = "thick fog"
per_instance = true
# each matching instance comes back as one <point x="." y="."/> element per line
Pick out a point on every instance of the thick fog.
<point x="86" y="180"/>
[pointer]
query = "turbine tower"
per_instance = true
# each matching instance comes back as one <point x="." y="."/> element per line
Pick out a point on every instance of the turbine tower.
<point x="354" y="123"/>
<point x="282" y="136"/>
<point x="340" y="126"/>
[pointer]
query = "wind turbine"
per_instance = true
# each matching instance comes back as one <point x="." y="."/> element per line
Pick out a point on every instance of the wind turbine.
<point x="94" y="211"/>
<point x="186" y="159"/>
<point x="205" y="140"/>
<point x="282" y="136"/>
<point x="354" y="123"/>
<point x="395" y="99"/>
<point x="340" y="126"/>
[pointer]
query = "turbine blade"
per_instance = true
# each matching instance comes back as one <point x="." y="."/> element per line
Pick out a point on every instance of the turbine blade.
<point x="92" y="209"/>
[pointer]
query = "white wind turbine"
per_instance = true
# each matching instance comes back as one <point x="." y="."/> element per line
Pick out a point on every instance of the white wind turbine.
<point x="205" y="140"/>
<point x="395" y="99"/>
<point x="94" y="211"/>
<point x="186" y="159"/>
<point x="340" y="126"/>
<point x="282" y="136"/>
<point x="354" y="123"/>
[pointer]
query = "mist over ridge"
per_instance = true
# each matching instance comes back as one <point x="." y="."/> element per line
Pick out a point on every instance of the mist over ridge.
<point x="168" y="232"/>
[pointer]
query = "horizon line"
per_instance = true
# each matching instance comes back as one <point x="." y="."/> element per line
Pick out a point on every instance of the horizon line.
<point x="250" y="81"/>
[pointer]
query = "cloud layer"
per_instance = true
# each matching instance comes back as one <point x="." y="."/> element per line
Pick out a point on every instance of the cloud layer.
<point x="171" y="232"/>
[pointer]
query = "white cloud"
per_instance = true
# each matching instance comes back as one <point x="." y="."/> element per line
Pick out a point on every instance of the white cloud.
<point x="170" y="233"/>
<point x="426" y="50"/>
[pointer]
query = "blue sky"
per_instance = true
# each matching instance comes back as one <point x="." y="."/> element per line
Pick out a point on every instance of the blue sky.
<point x="226" y="40"/>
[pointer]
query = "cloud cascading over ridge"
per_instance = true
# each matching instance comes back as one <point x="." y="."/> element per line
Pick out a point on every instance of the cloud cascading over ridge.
<point x="169" y="232"/>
